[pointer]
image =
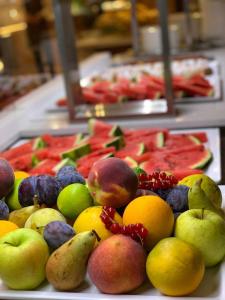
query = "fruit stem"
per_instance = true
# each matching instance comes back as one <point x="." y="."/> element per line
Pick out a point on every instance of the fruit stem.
<point x="35" y="199"/>
<point x="202" y="213"/>
<point x="97" y="236"/>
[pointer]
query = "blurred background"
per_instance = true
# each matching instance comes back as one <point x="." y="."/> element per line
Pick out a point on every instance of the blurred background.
<point x="28" y="45"/>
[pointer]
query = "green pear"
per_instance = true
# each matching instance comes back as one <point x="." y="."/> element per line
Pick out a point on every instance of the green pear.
<point x="20" y="216"/>
<point x="197" y="198"/>
<point x="67" y="265"/>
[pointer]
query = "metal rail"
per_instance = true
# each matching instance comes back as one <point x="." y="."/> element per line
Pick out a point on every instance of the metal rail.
<point x="68" y="53"/>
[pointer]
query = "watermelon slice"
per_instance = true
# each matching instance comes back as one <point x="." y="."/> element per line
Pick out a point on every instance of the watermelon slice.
<point x="131" y="162"/>
<point x="39" y="143"/>
<point x="18" y="151"/>
<point x="117" y="142"/>
<point x="59" y="141"/>
<point x="151" y="141"/>
<point x="100" y="128"/>
<point x="45" y="167"/>
<point x="77" y="152"/>
<point x="181" y="173"/>
<point x="131" y="150"/>
<point x="64" y="162"/>
<point x="181" y="140"/>
<point x="23" y="162"/>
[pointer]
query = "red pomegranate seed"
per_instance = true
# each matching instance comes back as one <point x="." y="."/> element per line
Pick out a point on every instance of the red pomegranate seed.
<point x="115" y="228"/>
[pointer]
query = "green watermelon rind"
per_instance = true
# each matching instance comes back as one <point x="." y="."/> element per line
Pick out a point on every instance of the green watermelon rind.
<point x="39" y="143"/>
<point x="65" y="162"/>
<point x="34" y="161"/>
<point x="160" y="139"/>
<point x="77" y="152"/>
<point x="194" y="139"/>
<point x="141" y="149"/>
<point x="131" y="162"/>
<point x="117" y="142"/>
<point x="79" y="138"/>
<point x="114" y="131"/>
<point x="203" y="161"/>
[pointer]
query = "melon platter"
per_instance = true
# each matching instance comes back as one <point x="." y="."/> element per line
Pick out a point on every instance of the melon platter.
<point x="152" y="149"/>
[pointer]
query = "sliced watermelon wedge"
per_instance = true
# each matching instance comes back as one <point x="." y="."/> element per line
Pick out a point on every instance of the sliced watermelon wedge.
<point x="131" y="150"/>
<point x="181" y="140"/>
<point x="100" y="128"/>
<point x="18" y="151"/>
<point x="44" y="167"/>
<point x="181" y="173"/>
<point x="131" y="162"/>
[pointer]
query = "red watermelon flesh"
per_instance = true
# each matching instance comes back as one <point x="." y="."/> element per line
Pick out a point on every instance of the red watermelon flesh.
<point x="131" y="150"/>
<point x="95" y="154"/>
<point x="200" y="135"/>
<point x="181" y="173"/>
<point x="18" y="151"/>
<point x="44" y="167"/>
<point x="180" y="140"/>
<point x="22" y="162"/>
<point x="59" y="141"/>
<point x="151" y="141"/>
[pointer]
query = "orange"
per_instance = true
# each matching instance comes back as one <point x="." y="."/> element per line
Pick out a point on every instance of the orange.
<point x="154" y="213"/>
<point x="6" y="226"/>
<point x="21" y="174"/>
<point x="89" y="219"/>
<point x="175" y="267"/>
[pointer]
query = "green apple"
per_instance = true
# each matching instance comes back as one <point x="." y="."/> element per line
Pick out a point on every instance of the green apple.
<point x="73" y="199"/>
<point x="40" y="218"/>
<point x="23" y="256"/>
<point x="204" y="229"/>
<point x="12" y="199"/>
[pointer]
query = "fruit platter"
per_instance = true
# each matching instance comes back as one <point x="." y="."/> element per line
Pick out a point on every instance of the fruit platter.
<point x="121" y="231"/>
<point x="193" y="80"/>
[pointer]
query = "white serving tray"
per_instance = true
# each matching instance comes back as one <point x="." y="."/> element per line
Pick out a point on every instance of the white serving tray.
<point x="212" y="287"/>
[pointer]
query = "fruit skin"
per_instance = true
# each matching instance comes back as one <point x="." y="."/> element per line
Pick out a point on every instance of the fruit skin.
<point x="175" y="267"/>
<point x="4" y="210"/>
<point x="117" y="265"/>
<point x="23" y="256"/>
<point x="57" y="233"/>
<point x="73" y="199"/>
<point x="13" y="197"/>
<point x="68" y="175"/>
<point x="90" y="219"/>
<point x="40" y="218"/>
<point x="45" y="187"/>
<point x="20" y="216"/>
<point x="6" y="227"/>
<point x="197" y="198"/>
<point x="112" y="183"/>
<point x="6" y="178"/>
<point x="206" y="231"/>
<point x="177" y="198"/>
<point x="154" y="213"/>
<point x="208" y="185"/>
<point x="67" y="266"/>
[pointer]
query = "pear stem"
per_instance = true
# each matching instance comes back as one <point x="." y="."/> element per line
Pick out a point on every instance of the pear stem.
<point x="97" y="236"/>
<point x="35" y="199"/>
<point x="202" y="213"/>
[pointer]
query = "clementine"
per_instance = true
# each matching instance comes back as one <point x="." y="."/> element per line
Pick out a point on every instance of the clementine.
<point x="6" y="226"/>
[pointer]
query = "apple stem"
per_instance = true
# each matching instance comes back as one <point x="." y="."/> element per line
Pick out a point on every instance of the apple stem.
<point x="202" y="212"/>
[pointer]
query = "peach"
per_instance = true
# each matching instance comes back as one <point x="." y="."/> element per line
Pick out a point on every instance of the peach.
<point x="6" y="178"/>
<point x="112" y="182"/>
<point x="117" y="265"/>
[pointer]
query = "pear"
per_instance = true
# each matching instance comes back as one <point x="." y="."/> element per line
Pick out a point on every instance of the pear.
<point x="197" y="198"/>
<point x="67" y="265"/>
<point x="20" y="216"/>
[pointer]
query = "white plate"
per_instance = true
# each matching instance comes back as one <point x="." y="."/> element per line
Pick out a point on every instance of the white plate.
<point x="212" y="287"/>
